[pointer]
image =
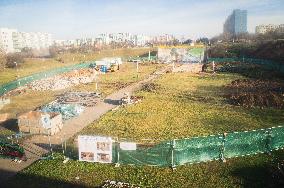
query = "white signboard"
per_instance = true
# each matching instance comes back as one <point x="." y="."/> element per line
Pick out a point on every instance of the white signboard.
<point x="127" y="146"/>
<point x="95" y="149"/>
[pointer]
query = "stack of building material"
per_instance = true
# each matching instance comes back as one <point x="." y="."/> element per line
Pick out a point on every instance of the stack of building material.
<point x="63" y="81"/>
<point x="67" y="111"/>
<point x="87" y="99"/>
<point x="37" y="122"/>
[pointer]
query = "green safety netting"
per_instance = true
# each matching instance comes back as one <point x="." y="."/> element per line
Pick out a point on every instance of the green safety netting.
<point x="245" y="143"/>
<point x="196" y="150"/>
<point x="269" y="64"/>
<point x="158" y="155"/>
<point x="202" y="149"/>
<point x="152" y="58"/>
<point x="28" y="79"/>
<point x="277" y="138"/>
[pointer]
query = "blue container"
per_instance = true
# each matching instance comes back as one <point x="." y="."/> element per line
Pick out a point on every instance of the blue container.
<point x="104" y="69"/>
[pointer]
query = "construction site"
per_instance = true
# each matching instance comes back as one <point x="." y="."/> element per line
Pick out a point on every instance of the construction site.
<point x="146" y="112"/>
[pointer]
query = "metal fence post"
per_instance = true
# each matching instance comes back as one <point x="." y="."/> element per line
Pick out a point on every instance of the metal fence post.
<point x="173" y="166"/>
<point x="117" y="151"/>
<point x="268" y="141"/>
<point x="222" y="148"/>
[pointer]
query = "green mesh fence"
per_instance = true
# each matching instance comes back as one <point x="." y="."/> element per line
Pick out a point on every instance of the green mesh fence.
<point x="28" y="79"/>
<point x="158" y="155"/>
<point x="276" y="138"/>
<point x="269" y="64"/>
<point x="195" y="150"/>
<point x="245" y="143"/>
<point x="152" y="58"/>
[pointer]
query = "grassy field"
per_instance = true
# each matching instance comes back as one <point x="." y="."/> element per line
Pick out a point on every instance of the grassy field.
<point x="107" y="83"/>
<point x="183" y="105"/>
<point x="32" y="66"/>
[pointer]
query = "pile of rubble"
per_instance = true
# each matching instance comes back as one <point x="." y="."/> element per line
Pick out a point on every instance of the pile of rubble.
<point x="117" y="184"/>
<point x="65" y="80"/>
<point x="86" y="99"/>
<point x="150" y="87"/>
<point x="67" y="111"/>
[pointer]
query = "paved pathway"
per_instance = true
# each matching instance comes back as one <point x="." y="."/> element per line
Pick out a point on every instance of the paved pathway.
<point x="9" y="168"/>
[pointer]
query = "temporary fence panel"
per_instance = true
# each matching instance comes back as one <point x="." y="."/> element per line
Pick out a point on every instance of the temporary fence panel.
<point x="158" y="155"/>
<point x="197" y="149"/>
<point x="245" y="143"/>
<point x="277" y="138"/>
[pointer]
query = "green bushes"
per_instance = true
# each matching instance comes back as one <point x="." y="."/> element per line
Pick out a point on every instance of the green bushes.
<point x="271" y="50"/>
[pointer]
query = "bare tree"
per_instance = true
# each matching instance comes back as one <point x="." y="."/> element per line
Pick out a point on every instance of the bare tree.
<point x="2" y="59"/>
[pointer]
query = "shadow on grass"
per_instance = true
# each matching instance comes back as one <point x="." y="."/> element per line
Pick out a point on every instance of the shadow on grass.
<point x="34" y="181"/>
<point x="10" y="124"/>
<point x="112" y="102"/>
<point x="259" y="176"/>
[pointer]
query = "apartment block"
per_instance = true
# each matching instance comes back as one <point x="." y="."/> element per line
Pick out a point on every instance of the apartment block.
<point x="12" y="40"/>
<point x="262" y="29"/>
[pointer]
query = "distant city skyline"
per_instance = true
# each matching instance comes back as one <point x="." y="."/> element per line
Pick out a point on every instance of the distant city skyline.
<point x="70" y="19"/>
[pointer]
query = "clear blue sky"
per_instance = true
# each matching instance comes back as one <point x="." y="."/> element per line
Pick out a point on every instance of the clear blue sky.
<point x="67" y="19"/>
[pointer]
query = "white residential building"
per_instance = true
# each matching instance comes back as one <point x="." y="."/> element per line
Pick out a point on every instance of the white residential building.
<point x="13" y="41"/>
<point x="262" y="29"/>
<point x="6" y="39"/>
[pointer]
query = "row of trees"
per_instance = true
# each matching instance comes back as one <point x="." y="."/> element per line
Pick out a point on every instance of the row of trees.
<point x="11" y="60"/>
<point x="272" y="49"/>
<point x="273" y="35"/>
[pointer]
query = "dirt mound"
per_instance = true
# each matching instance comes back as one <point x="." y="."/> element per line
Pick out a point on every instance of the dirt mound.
<point x="250" y="93"/>
<point x="118" y="85"/>
<point x="150" y="87"/>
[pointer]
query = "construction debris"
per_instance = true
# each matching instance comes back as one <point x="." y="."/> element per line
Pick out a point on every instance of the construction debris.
<point x="87" y="99"/>
<point x="117" y="184"/>
<point x="67" y="111"/>
<point x="150" y="87"/>
<point x="66" y="80"/>
<point x="127" y="99"/>
<point x="36" y="122"/>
